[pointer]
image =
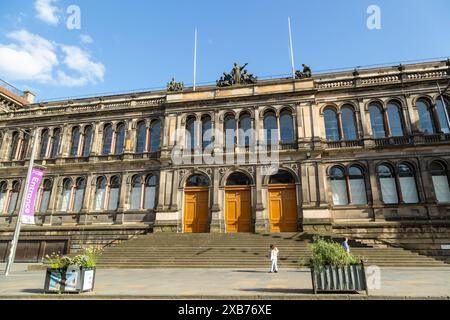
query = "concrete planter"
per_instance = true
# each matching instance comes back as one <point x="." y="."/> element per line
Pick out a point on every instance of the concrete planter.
<point x="69" y="280"/>
<point x="339" y="279"/>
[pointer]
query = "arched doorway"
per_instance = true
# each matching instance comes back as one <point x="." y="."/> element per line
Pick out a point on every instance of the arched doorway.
<point x="282" y="203"/>
<point x="238" y="204"/>
<point x="196" y="208"/>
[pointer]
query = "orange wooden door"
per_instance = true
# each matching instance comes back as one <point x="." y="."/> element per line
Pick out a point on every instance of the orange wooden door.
<point x="196" y="210"/>
<point x="283" y="208"/>
<point x="238" y="209"/>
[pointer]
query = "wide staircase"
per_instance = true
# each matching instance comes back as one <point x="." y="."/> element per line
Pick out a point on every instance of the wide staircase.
<point x="171" y="250"/>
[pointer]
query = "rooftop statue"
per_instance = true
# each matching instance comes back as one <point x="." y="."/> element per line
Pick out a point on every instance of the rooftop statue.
<point x="174" y="86"/>
<point x="237" y="76"/>
<point x="307" y="73"/>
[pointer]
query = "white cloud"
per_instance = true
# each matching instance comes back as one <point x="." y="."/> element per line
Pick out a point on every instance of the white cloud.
<point x="47" y="12"/>
<point x="33" y="58"/>
<point x="79" y="61"/>
<point x="86" y="39"/>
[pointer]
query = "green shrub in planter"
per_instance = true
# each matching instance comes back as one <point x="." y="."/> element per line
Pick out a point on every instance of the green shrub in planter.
<point x="66" y="274"/>
<point x="335" y="270"/>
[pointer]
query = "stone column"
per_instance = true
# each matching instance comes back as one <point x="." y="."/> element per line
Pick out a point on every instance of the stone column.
<point x="66" y="140"/>
<point x="217" y="213"/>
<point x="316" y="214"/>
<point x="89" y="196"/>
<point x="261" y="221"/>
<point x="123" y="193"/>
<point x="5" y="149"/>
<point x="412" y="115"/>
<point x="376" y="192"/>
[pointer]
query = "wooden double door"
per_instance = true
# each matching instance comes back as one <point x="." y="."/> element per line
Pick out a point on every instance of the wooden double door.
<point x="196" y="213"/>
<point x="238" y="209"/>
<point x="283" y="208"/>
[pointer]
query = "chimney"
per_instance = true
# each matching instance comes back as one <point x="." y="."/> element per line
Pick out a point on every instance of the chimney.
<point x="29" y="96"/>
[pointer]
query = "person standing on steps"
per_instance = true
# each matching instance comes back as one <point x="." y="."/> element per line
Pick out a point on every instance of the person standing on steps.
<point x="274" y="258"/>
<point x="346" y="245"/>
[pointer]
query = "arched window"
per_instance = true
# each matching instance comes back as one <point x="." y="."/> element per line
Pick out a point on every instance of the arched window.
<point x="191" y="133"/>
<point x="44" y="144"/>
<point x="75" y="142"/>
<point x="377" y="122"/>
<point x="440" y="178"/>
<point x="270" y="128"/>
<point x="443" y="115"/>
<point x="408" y="184"/>
<point x="14" y="197"/>
<point x="206" y="132"/>
<point x="3" y="195"/>
<point x="107" y="139"/>
<point x="114" y="193"/>
<point x="331" y="125"/>
<point x="120" y="139"/>
<point x="100" y="193"/>
<point x="14" y="146"/>
<point x="348" y="123"/>
<point x="286" y="127"/>
<point x="141" y="137"/>
<point x="150" y="192"/>
<point x="245" y="131"/>
<point x="388" y="185"/>
<point x="197" y="180"/>
<point x="395" y="120"/>
<point x="357" y="186"/>
<point x="136" y="187"/>
<point x="238" y="179"/>
<point x="230" y="131"/>
<point x="45" y="197"/>
<point x="281" y="177"/>
<point x="79" y="194"/>
<point x="338" y="186"/>
<point x="66" y="195"/>
<point x="87" y="141"/>
<point x="56" y="143"/>
<point x="425" y="117"/>
<point x="155" y="135"/>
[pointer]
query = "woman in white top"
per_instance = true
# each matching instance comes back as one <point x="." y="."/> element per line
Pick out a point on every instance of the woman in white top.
<point x="274" y="258"/>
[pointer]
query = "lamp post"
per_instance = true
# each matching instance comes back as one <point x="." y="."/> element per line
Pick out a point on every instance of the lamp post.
<point x="12" y="252"/>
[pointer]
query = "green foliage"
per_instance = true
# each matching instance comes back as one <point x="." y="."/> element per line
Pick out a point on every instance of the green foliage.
<point x="329" y="253"/>
<point x="87" y="259"/>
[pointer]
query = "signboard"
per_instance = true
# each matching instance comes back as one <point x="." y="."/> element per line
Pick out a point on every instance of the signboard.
<point x="30" y="196"/>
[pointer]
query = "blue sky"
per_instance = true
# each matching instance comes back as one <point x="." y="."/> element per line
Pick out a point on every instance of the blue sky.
<point x="139" y="44"/>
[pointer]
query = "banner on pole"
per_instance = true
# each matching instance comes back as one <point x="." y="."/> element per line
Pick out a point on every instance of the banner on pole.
<point x="30" y="197"/>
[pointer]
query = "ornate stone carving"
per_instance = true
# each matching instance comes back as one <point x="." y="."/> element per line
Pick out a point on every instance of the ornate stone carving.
<point x="307" y="73"/>
<point x="174" y="86"/>
<point x="237" y="76"/>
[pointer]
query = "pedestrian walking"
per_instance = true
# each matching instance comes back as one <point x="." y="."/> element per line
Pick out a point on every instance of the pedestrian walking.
<point x="274" y="258"/>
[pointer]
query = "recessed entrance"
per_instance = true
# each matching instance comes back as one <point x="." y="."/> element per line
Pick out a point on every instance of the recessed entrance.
<point x="238" y="204"/>
<point x="282" y="203"/>
<point x="196" y="205"/>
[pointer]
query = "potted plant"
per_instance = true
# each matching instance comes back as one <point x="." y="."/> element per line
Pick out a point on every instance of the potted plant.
<point x="71" y="275"/>
<point x="333" y="269"/>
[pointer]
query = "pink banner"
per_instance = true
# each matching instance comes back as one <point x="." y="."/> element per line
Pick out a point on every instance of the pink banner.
<point x="30" y="196"/>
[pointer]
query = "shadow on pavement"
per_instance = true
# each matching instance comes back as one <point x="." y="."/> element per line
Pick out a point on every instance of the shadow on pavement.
<point x="36" y="291"/>
<point x="280" y="290"/>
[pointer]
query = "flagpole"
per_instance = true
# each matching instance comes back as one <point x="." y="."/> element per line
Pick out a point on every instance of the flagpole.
<point x="292" y="49"/>
<point x="12" y="252"/>
<point x="195" y="59"/>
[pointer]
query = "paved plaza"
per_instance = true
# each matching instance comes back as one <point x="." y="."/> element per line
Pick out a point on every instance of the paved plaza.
<point x="396" y="283"/>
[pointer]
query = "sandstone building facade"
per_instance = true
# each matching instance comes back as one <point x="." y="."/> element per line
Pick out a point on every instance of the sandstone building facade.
<point x="367" y="145"/>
